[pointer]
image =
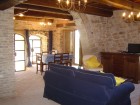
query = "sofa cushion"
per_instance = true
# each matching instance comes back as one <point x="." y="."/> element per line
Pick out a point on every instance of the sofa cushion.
<point x="92" y="62"/>
<point x="119" y="80"/>
<point x="65" y="70"/>
<point x="95" y="78"/>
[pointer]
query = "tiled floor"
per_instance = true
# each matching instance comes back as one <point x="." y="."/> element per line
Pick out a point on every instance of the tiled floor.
<point x="29" y="90"/>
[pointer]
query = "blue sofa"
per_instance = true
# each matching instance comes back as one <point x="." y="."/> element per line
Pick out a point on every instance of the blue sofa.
<point x="70" y="86"/>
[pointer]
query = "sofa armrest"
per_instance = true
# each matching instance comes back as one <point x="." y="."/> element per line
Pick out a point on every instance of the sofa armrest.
<point x="121" y="92"/>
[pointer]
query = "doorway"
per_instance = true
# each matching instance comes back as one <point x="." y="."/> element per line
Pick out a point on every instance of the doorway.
<point x="19" y="53"/>
<point x="77" y="47"/>
<point x="72" y="44"/>
<point x="35" y="45"/>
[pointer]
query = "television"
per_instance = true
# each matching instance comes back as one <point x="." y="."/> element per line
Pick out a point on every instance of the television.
<point x="133" y="48"/>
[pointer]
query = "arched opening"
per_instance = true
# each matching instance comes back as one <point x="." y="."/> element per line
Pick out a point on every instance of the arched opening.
<point x="35" y="45"/>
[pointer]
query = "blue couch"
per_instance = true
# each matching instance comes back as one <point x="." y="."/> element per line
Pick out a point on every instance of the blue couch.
<point x="70" y="86"/>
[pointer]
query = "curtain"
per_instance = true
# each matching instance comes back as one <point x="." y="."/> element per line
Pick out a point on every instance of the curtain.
<point x="28" y="64"/>
<point x="50" y="40"/>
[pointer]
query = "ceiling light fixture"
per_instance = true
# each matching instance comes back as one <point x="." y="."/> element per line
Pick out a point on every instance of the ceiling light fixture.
<point x="74" y="5"/>
<point x="42" y="23"/>
<point x="49" y="23"/>
<point x="130" y="16"/>
<point x="45" y="22"/>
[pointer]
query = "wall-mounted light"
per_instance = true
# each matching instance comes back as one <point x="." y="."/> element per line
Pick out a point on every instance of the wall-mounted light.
<point x="21" y="14"/>
<point x="14" y="18"/>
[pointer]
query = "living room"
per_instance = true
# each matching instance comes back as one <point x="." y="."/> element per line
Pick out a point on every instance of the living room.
<point x="98" y="34"/>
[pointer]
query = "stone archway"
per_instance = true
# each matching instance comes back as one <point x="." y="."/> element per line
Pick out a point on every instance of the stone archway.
<point x="82" y="23"/>
<point x="93" y="30"/>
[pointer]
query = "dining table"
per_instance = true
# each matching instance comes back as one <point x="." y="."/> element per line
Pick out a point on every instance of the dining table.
<point x="46" y="58"/>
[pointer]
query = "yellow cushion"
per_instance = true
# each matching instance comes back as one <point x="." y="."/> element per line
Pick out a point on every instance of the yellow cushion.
<point x="92" y="62"/>
<point x="119" y="80"/>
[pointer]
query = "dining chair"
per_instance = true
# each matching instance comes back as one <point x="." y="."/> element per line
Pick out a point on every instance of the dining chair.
<point x="57" y="59"/>
<point x="66" y="59"/>
<point x="39" y="63"/>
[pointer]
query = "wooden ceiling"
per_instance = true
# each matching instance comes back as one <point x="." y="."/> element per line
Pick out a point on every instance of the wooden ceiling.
<point x="49" y="8"/>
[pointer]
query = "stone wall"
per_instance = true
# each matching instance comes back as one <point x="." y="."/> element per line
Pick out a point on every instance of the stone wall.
<point x="7" y="68"/>
<point x="34" y="29"/>
<point x="58" y="40"/>
<point x="105" y="34"/>
<point x="42" y="32"/>
<point x="121" y="33"/>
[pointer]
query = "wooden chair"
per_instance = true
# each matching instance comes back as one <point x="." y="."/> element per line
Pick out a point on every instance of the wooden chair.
<point x="66" y="60"/>
<point x="45" y="52"/>
<point x="57" y="59"/>
<point x="39" y="63"/>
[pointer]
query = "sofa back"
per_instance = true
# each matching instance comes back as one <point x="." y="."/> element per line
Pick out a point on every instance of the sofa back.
<point x="96" y="79"/>
<point x="106" y="79"/>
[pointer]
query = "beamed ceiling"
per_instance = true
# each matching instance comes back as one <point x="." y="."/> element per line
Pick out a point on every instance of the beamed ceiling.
<point x="49" y="8"/>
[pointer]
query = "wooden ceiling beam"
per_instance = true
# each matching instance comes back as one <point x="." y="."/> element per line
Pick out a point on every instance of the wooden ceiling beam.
<point x="27" y="18"/>
<point x="42" y="14"/>
<point x="65" y="25"/>
<point x="89" y="10"/>
<point x="123" y="4"/>
<point x="41" y="8"/>
<point x="5" y="4"/>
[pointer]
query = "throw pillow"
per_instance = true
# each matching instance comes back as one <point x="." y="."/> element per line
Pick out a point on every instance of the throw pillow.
<point x="119" y="80"/>
<point x="92" y="62"/>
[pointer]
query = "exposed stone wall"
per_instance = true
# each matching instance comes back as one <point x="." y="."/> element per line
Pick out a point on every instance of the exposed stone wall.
<point x="7" y="66"/>
<point x="58" y="33"/>
<point x="42" y="32"/>
<point x="121" y="33"/>
<point x="31" y="25"/>
<point x="44" y="38"/>
<point x="82" y="23"/>
<point x="58" y="40"/>
<point x="105" y="34"/>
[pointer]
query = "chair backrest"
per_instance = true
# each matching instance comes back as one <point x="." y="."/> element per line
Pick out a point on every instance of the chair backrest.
<point x="45" y="52"/>
<point x="38" y="57"/>
<point x="65" y="56"/>
<point x="58" y="58"/>
<point x="53" y="52"/>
